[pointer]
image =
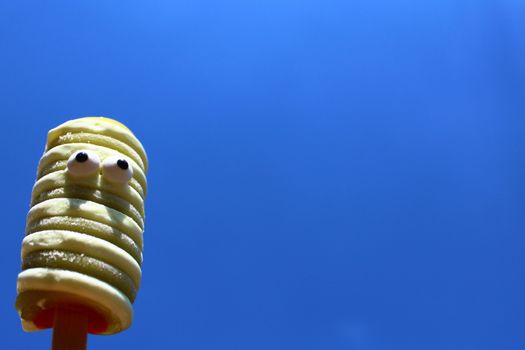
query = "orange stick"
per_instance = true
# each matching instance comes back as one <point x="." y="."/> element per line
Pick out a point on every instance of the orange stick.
<point x="69" y="330"/>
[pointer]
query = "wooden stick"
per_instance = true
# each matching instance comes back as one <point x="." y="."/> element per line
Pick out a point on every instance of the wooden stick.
<point x="69" y="330"/>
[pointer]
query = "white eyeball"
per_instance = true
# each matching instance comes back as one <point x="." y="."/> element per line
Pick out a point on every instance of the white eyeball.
<point x="83" y="163"/>
<point x="117" y="169"/>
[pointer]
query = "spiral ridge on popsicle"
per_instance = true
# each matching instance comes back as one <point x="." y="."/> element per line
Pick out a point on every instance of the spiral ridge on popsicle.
<point x="84" y="232"/>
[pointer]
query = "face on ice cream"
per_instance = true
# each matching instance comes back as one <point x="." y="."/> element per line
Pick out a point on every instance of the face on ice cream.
<point x="84" y="232"/>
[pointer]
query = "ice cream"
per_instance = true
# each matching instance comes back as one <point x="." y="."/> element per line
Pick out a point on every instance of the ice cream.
<point x="84" y="232"/>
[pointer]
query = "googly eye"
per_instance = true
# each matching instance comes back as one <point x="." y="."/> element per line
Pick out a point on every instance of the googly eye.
<point x="83" y="163"/>
<point x="117" y="169"/>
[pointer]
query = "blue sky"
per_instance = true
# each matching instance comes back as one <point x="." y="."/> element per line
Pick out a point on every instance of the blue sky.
<point x="323" y="174"/>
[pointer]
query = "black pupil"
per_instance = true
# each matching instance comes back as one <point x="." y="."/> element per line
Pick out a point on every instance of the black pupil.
<point x="122" y="164"/>
<point x="81" y="157"/>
